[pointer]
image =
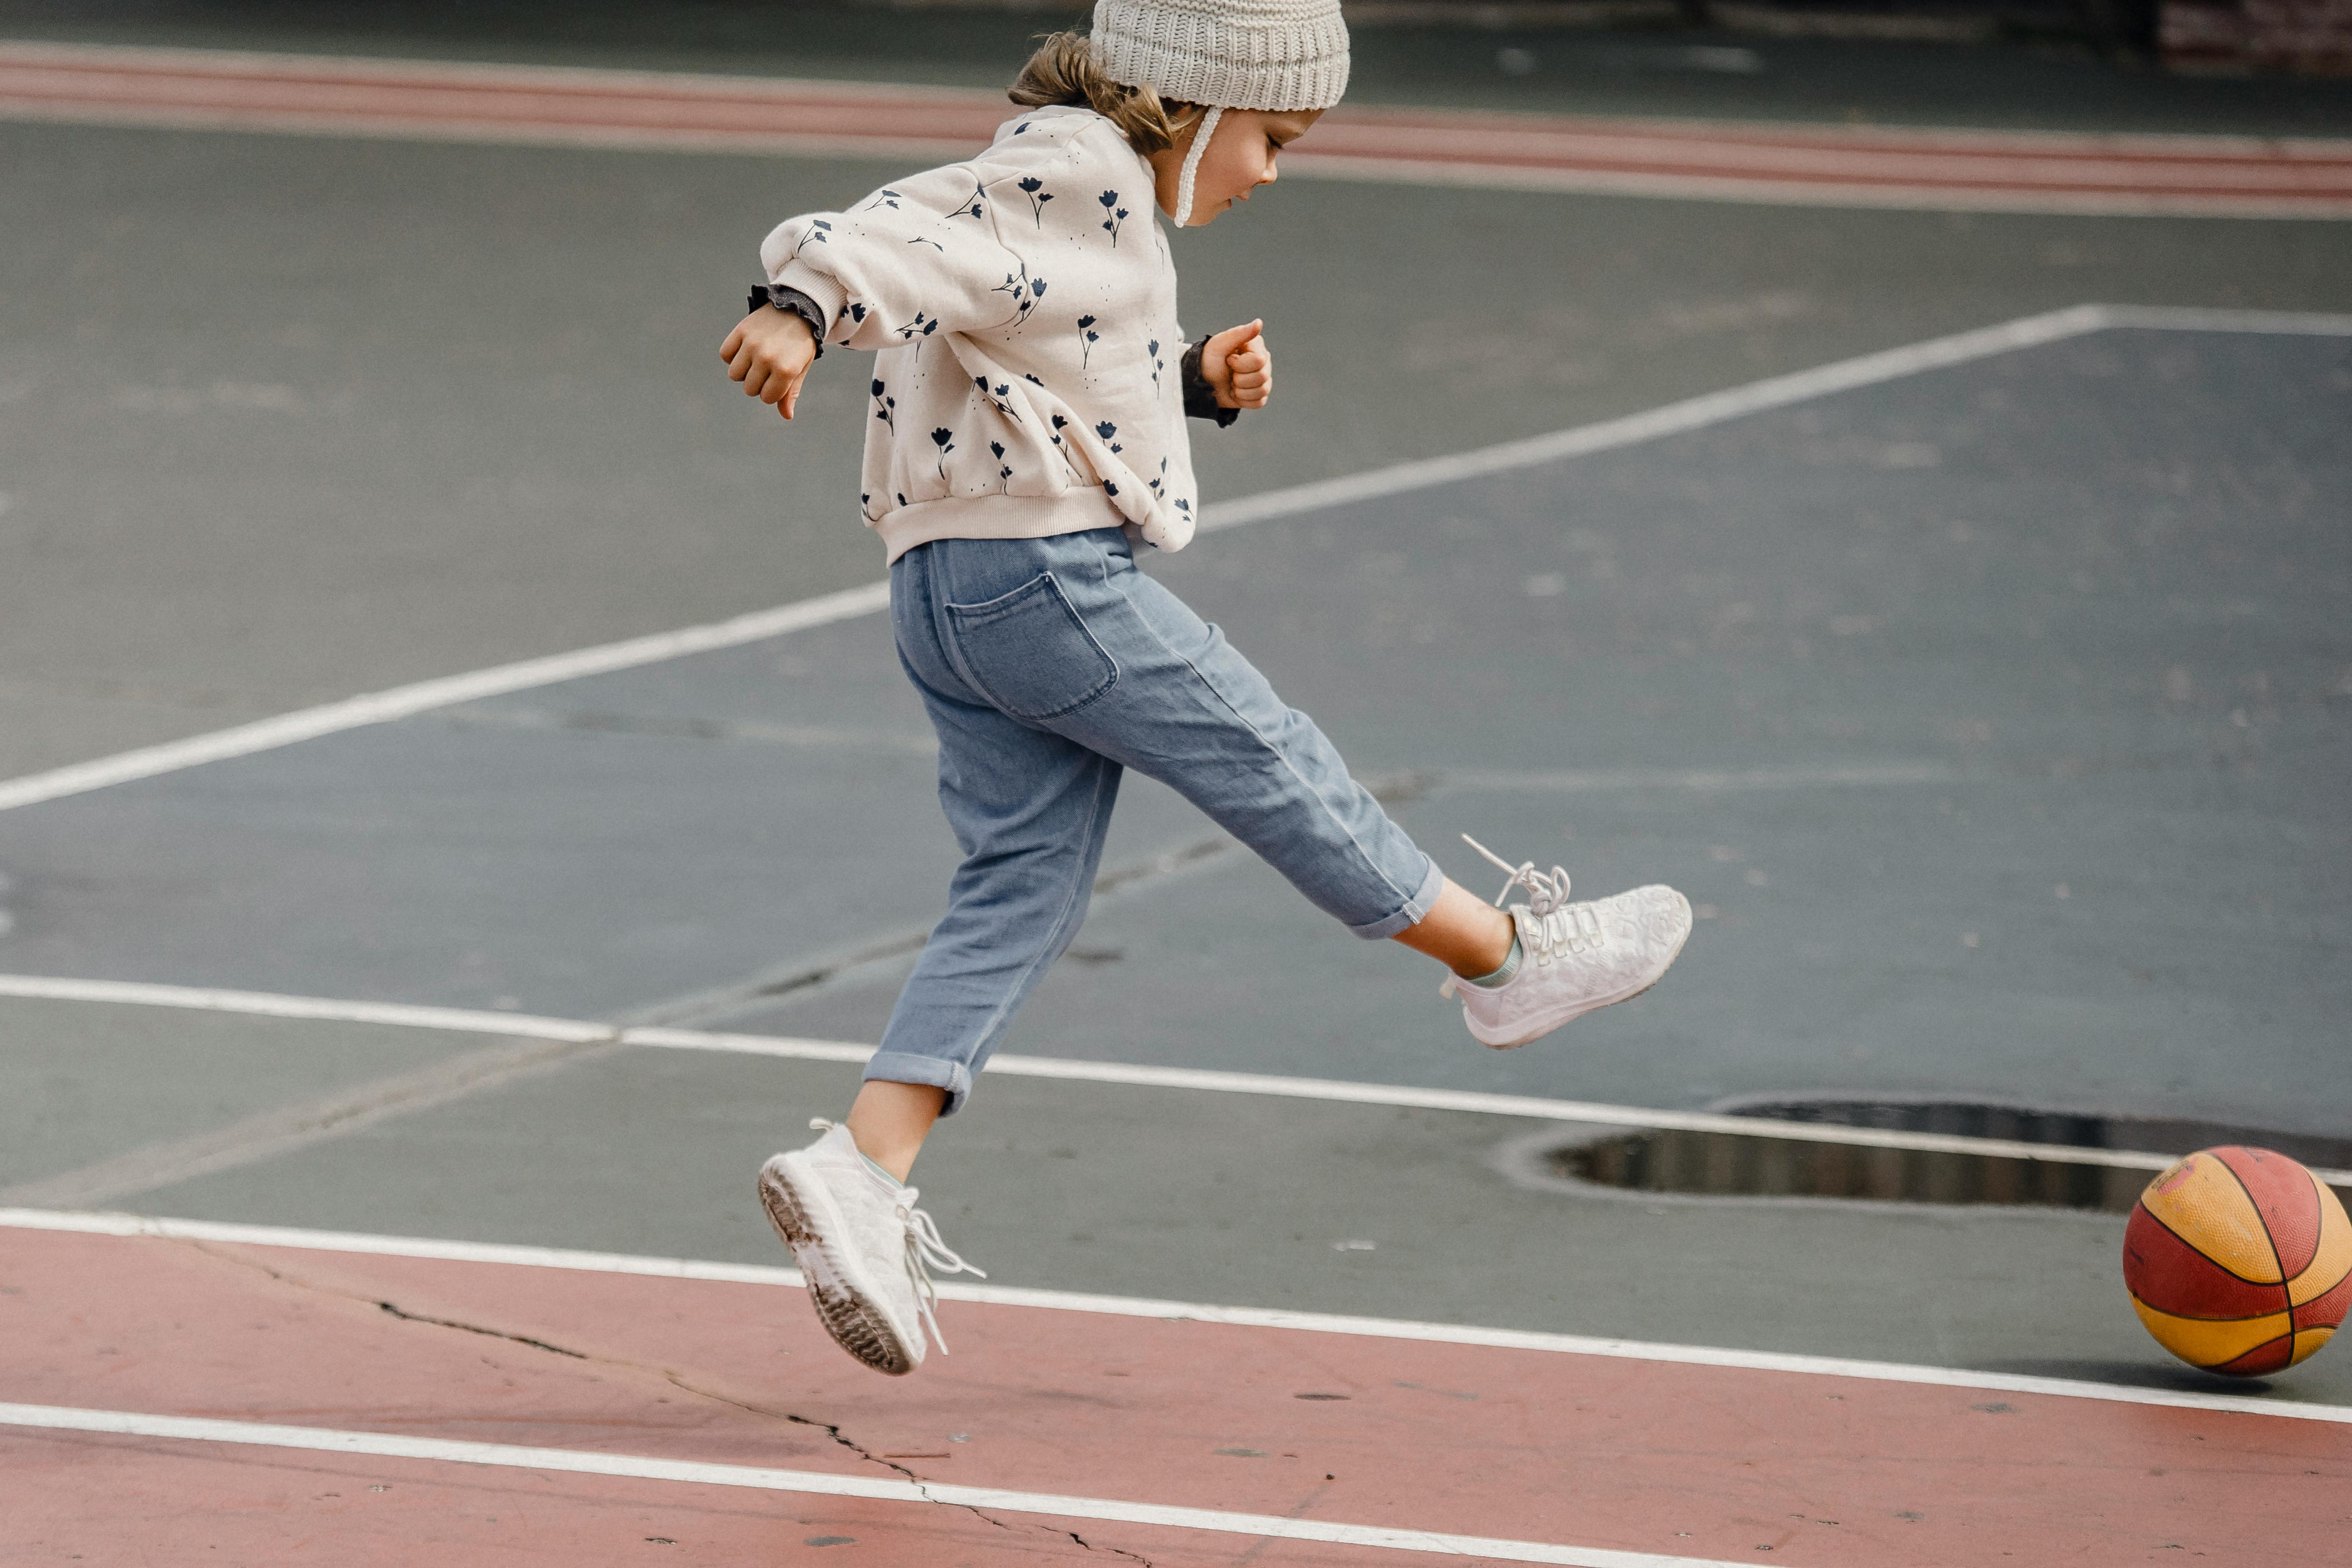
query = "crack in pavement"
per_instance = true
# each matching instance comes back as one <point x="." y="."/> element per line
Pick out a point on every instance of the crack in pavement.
<point x="830" y="1429"/>
<point x="835" y="1432"/>
<point x="409" y="1316"/>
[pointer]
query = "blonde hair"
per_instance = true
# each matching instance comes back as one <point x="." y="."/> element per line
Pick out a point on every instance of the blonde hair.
<point x="1063" y="71"/>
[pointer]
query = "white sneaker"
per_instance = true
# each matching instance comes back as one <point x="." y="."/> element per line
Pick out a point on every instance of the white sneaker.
<point x="1573" y="958"/>
<point x="863" y="1245"/>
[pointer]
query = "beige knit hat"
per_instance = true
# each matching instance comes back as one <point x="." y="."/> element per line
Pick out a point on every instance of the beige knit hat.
<point x="1275" y="55"/>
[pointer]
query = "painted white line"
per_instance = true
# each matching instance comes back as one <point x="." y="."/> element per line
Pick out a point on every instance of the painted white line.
<point x="1758" y="397"/>
<point x="1713" y="408"/>
<point x="40" y="988"/>
<point x="1673" y="419"/>
<point x="132" y="116"/>
<point x="380" y="1445"/>
<point x="2190" y="318"/>
<point x="1819" y="165"/>
<point x="1876" y="194"/>
<point x="110" y="1223"/>
<point x="1833" y="775"/>
<point x="399" y="702"/>
<point x="271" y="1004"/>
<point x="124" y="1224"/>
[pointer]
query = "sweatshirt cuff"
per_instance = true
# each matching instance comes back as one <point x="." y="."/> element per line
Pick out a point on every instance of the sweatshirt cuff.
<point x="830" y="297"/>
<point x="792" y="302"/>
<point x="1200" y="397"/>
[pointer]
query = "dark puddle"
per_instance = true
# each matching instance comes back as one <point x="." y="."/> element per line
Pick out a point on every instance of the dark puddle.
<point x="1723" y="1164"/>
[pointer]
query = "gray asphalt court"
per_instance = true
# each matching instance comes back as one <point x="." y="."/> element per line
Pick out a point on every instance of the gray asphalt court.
<point x="1994" y="716"/>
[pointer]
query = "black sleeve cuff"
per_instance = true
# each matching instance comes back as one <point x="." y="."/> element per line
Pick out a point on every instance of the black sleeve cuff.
<point x="1200" y="397"/>
<point x="793" y="301"/>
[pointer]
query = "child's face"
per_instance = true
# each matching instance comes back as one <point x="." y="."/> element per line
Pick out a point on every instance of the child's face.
<point x="1240" y="158"/>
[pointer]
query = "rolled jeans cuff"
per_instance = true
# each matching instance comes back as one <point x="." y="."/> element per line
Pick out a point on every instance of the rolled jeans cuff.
<point x="1415" y="910"/>
<point x="939" y="1072"/>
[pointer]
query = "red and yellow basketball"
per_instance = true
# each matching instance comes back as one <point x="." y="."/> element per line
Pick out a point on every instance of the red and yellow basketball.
<point x="2238" y="1261"/>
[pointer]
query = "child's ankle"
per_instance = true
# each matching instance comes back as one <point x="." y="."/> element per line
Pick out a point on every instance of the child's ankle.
<point x="1500" y="975"/>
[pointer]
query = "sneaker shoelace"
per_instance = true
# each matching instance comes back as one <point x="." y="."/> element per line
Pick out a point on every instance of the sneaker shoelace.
<point x="926" y="1251"/>
<point x="1554" y="927"/>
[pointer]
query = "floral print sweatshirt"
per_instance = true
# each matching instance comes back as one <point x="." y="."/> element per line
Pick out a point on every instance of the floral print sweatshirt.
<point x="1027" y="378"/>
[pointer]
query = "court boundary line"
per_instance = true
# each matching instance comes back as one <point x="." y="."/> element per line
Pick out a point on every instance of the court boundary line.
<point x="1341" y="1091"/>
<point x="630" y="1467"/>
<point x="233" y="1234"/>
<point x="825" y="609"/>
<point x="1887" y="190"/>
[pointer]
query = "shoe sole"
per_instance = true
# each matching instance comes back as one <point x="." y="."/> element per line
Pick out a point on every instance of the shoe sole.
<point x="803" y="1216"/>
<point x="1559" y="1020"/>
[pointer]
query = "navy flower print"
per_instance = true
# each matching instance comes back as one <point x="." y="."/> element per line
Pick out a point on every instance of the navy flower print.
<point x="885" y="407"/>
<point x="1061" y="422"/>
<point x="1034" y="189"/>
<point x="819" y="232"/>
<point x="1107" y="431"/>
<point x="914" y="332"/>
<point x="1003" y="469"/>
<point x="996" y="396"/>
<point x="944" y="439"/>
<point x="1023" y="290"/>
<point x="1113" y="215"/>
<point x="1088" y="339"/>
<point x="1158" y="364"/>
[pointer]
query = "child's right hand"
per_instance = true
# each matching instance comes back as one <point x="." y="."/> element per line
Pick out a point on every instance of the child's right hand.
<point x="770" y="352"/>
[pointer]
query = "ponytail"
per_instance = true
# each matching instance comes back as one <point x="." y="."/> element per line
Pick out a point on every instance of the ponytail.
<point x="1063" y="71"/>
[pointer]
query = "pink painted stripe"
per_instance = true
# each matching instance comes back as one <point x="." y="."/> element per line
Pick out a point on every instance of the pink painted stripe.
<point x="1835" y="163"/>
<point x="1704" y="1462"/>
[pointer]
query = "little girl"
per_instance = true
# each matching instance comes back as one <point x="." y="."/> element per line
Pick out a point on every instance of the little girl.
<point x="1029" y="394"/>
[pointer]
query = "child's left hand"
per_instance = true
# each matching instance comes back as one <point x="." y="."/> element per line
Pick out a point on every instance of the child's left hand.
<point x="1239" y="367"/>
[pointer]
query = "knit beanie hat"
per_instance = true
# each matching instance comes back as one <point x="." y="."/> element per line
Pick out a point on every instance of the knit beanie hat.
<point x="1277" y="55"/>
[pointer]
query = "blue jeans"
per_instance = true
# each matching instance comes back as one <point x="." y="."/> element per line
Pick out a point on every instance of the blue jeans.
<point x="1049" y="665"/>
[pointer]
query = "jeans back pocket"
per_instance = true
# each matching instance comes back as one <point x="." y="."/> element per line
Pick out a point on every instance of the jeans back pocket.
<point x="1029" y="652"/>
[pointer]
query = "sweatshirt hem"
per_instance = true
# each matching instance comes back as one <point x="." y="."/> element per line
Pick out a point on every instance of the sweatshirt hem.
<point x="1075" y="510"/>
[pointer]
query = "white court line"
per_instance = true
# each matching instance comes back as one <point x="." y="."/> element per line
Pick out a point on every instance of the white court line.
<point x="400" y="701"/>
<point x="1834" y="776"/>
<point x="1692" y="414"/>
<point x="380" y="1445"/>
<point x="260" y="1004"/>
<point x="227" y="1234"/>
<point x="1759" y="397"/>
<point x="1882" y="194"/>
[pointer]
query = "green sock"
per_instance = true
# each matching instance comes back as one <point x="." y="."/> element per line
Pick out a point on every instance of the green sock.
<point x="1502" y="976"/>
<point x="879" y="1169"/>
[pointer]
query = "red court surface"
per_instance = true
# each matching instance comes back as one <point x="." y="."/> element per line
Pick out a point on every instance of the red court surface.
<point x="1817" y="165"/>
<point x="1597" y="1455"/>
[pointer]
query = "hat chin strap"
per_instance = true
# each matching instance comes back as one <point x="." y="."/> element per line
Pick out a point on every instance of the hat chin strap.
<point x="1184" y="214"/>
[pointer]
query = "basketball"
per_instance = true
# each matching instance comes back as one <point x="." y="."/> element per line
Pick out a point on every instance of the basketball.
<point x="2238" y="1261"/>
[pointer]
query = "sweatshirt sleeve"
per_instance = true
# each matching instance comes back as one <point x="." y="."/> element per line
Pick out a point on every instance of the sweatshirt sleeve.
<point x="914" y="258"/>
